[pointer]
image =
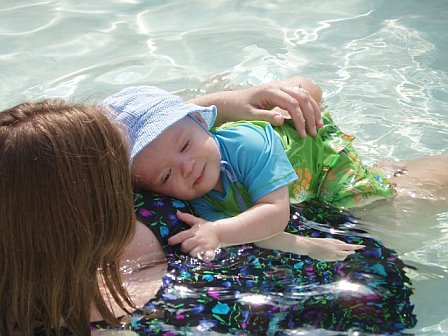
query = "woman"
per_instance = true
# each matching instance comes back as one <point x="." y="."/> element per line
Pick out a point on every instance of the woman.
<point x="65" y="212"/>
<point x="66" y="207"/>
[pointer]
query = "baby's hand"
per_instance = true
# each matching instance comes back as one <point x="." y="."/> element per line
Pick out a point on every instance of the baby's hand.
<point x="329" y="249"/>
<point x="201" y="240"/>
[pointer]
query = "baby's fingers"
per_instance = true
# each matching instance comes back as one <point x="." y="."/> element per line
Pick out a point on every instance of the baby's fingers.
<point x="188" y="218"/>
<point x="180" y="237"/>
<point x="351" y="247"/>
<point x="342" y="245"/>
<point x="345" y="250"/>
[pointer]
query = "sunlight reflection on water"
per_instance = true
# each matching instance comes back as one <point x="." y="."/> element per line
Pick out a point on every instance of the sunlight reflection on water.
<point x="382" y="67"/>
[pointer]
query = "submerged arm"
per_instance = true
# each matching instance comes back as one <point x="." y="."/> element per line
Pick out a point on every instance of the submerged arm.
<point x="324" y="249"/>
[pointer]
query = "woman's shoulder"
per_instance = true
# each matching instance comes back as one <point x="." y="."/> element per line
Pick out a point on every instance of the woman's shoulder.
<point x="158" y="214"/>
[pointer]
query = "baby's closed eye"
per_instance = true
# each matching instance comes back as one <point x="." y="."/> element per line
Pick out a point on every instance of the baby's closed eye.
<point x="185" y="146"/>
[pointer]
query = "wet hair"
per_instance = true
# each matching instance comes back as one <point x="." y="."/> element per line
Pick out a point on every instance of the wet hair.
<point x="66" y="214"/>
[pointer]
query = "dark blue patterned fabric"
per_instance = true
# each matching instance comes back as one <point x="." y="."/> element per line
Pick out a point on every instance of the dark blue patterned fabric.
<point x="253" y="291"/>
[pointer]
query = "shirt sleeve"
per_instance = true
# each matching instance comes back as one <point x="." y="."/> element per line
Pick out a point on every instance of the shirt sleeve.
<point x="257" y="156"/>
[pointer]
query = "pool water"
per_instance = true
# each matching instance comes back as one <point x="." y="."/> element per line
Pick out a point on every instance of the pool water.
<point x="381" y="64"/>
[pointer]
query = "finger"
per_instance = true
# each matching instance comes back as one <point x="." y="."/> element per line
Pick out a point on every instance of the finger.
<point x="282" y="112"/>
<point x="274" y="117"/>
<point x="309" y="116"/>
<point x="314" y="121"/>
<point x="180" y="237"/>
<point x="187" y="218"/>
<point x="311" y="111"/>
<point x="197" y="252"/>
<point x="304" y="99"/>
<point x="285" y="99"/>
<point x="351" y="247"/>
<point x="345" y="245"/>
<point x="317" y="113"/>
<point x="303" y="110"/>
<point x="188" y="245"/>
<point x="300" y="114"/>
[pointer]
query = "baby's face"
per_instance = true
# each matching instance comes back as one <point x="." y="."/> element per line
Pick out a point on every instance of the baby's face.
<point x="183" y="162"/>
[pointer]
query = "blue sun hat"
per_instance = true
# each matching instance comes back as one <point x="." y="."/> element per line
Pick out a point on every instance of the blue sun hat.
<point x="147" y="111"/>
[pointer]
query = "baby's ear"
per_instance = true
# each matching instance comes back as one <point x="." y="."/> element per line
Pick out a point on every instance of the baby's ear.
<point x="199" y="118"/>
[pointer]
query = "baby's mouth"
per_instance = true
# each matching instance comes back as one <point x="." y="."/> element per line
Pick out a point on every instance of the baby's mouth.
<point x="200" y="177"/>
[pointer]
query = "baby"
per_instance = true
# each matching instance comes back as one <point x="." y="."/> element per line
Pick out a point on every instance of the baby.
<point x="238" y="178"/>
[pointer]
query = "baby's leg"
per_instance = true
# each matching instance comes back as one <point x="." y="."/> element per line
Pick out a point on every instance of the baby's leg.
<point x="425" y="177"/>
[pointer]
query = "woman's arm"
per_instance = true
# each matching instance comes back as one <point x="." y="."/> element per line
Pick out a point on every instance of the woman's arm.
<point x="143" y="244"/>
<point x="297" y="96"/>
<point x="143" y="264"/>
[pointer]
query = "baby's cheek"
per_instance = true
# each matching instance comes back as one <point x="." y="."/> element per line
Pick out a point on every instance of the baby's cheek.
<point x="148" y="184"/>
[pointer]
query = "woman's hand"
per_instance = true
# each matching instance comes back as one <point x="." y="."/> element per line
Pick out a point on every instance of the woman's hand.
<point x="294" y="97"/>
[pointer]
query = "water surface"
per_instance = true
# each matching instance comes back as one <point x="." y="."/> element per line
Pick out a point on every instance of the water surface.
<point x="382" y="66"/>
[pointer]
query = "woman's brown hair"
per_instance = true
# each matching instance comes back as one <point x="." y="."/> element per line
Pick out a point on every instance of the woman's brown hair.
<point x="66" y="214"/>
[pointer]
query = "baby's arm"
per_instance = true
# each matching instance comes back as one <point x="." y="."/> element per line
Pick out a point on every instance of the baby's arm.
<point x="268" y="217"/>
<point x="324" y="249"/>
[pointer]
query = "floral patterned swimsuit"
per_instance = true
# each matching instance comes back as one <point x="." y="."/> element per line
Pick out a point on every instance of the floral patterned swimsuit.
<point x="251" y="291"/>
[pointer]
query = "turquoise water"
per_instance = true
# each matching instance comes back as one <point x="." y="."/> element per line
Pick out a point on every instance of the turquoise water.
<point x="382" y="66"/>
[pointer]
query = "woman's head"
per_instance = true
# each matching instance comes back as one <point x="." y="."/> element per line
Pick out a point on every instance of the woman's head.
<point x="65" y="211"/>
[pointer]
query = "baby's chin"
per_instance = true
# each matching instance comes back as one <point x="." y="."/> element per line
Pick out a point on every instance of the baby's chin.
<point x="199" y="192"/>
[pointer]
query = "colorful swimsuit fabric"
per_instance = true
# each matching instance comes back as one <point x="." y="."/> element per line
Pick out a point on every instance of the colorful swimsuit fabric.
<point x="251" y="291"/>
<point x="330" y="169"/>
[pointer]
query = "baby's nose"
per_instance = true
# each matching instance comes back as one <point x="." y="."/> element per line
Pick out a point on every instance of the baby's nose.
<point x="187" y="167"/>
